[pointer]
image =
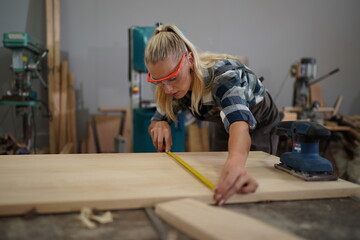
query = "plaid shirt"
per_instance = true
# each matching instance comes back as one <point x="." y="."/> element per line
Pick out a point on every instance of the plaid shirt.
<point x="233" y="92"/>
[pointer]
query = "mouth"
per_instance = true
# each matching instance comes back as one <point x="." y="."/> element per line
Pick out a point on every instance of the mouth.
<point x="175" y="94"/>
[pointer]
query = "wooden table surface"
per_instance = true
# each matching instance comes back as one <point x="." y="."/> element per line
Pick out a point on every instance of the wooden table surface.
<point x="66" y="183"/>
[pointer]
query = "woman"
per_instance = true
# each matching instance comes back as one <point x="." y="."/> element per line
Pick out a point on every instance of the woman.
<point x="213" y="87"/>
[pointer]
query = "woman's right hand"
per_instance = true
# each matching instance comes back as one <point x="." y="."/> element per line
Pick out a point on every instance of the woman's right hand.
<point x="160" y="133"/>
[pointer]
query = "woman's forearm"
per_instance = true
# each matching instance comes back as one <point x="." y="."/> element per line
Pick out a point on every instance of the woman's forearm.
<point x="239" y="143"/>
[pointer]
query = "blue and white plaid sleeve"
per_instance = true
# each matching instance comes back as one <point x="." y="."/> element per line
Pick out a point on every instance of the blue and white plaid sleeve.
<point x="235" y="91"/>
<point x="159" y="116"/>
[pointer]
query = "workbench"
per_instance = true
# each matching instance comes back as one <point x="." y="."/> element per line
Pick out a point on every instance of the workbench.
<point x="57" y="186"/>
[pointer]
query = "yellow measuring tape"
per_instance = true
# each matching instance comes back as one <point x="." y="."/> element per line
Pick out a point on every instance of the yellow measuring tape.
<point x="193" y="171"/>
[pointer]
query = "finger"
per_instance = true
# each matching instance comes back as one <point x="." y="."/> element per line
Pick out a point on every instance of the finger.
<point x="158" y="141"/>
<point x="168" y="142"/>
<point x="219" y="188"/>
<point x="225" y="185"/>
<point x="241" y="181"/>
<point x="154" y="138"/>
<point x="250" y="187"/>
<point x="225" y="195"/>
<point x="227" y="179"/>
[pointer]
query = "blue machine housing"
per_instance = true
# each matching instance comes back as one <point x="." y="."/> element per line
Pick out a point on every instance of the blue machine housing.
<point x="140" y="37"/>
<point x="142" y="141"/>
<point x="305" y="151"/>
<point x="305" y="157"/>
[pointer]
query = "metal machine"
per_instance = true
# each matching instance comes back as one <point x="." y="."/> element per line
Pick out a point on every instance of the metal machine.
<point x="305" y="74"/>
<point x="138" y="38"/>
<point x="27" y="54"/>
<point x="143" y="109"/>
<point x="26" y="57"/>
<point x="304" y="161"/>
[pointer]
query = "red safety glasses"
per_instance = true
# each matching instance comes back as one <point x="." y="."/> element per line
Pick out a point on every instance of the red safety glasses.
<point x="169" y="78"/>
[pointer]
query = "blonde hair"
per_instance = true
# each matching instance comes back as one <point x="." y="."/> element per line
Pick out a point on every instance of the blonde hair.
<point x="169" y="42"/>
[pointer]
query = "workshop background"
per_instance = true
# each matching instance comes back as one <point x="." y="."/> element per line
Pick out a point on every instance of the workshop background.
<point x="272" y="34"/>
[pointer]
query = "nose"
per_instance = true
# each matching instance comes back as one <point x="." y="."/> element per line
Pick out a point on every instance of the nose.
<point x="167" y="88"/>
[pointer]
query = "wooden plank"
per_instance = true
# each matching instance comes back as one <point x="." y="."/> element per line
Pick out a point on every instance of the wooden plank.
<point x="337" y="105"/>
<point x="299" y="109"/>
<point x="338" y="128"/>
<point x="107" y="127"/>
<point x="84" y="146"/>
<point x="67" y="148"/>
<point x="198" y="137"/>
<point x="289" y="116"/>
<point x="204" y="130"/>
<point x="72" y="129"/>
<point x="354" y="117"/>
<point x="62" y="183"/>
<point x="50" y="57"/>
<point x="128" y="124"/>
<point x="202" y="221"/>
<point x="56" y="92"/>
<point x="63" y="116"/>
<point x="56" y="111"/>
<point x="194" y="143"/>
<point x="57" y="35"/>
<point x="91" y="147"/>
<point x="316" y="94"/>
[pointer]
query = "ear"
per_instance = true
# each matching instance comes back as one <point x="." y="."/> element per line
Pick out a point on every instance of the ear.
<point x="191" y="59"/>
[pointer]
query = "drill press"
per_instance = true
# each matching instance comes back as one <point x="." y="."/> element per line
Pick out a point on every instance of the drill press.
<point x="26" y="56"/>
<point x="304" y="73"/>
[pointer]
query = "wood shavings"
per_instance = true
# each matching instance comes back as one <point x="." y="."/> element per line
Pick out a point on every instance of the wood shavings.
<point x="89" y="219"/>
<point x="84" y="217"/>
<point x="104" y="218"/>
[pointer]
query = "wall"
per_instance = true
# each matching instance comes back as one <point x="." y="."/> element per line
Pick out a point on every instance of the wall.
<point x="271" y="33"/>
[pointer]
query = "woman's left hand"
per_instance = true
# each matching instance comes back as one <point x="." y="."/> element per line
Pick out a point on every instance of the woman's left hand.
<point x="233" y="179"/>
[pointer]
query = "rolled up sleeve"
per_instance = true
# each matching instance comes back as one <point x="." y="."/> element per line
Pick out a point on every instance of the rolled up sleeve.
<point x="234" y="93"/>
<point x="159" y="116"/>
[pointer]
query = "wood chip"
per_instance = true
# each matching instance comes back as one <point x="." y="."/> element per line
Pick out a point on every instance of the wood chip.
<point x="88" y="218"/>
<point x="84" y="217"/>
<point x="107" y="217"/>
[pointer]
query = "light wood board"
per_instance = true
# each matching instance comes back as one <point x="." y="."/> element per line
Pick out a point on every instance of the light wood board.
<point x="51" y="75"/>
<point x="62" y="183"/>
<point x="71" y="126"/>
<point x="202" y="221"/>
<point x="127" y="131"/>
<point x="107" y="127"/>
<point x="64" y="111"/>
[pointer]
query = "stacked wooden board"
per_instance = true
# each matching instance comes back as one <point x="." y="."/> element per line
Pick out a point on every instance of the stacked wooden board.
<point x="61" y="95"/>
<point x="62" y="183"/>
<point x="103" y="128"/>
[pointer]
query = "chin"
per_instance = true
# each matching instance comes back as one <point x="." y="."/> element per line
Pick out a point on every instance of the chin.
<point x="179" y="95"/>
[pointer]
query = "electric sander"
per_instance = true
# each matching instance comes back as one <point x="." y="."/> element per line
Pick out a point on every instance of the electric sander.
<point x="304" y="161"/>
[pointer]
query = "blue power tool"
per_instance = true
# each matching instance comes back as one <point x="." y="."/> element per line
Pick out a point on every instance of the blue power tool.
<point x="304" y="161"/>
